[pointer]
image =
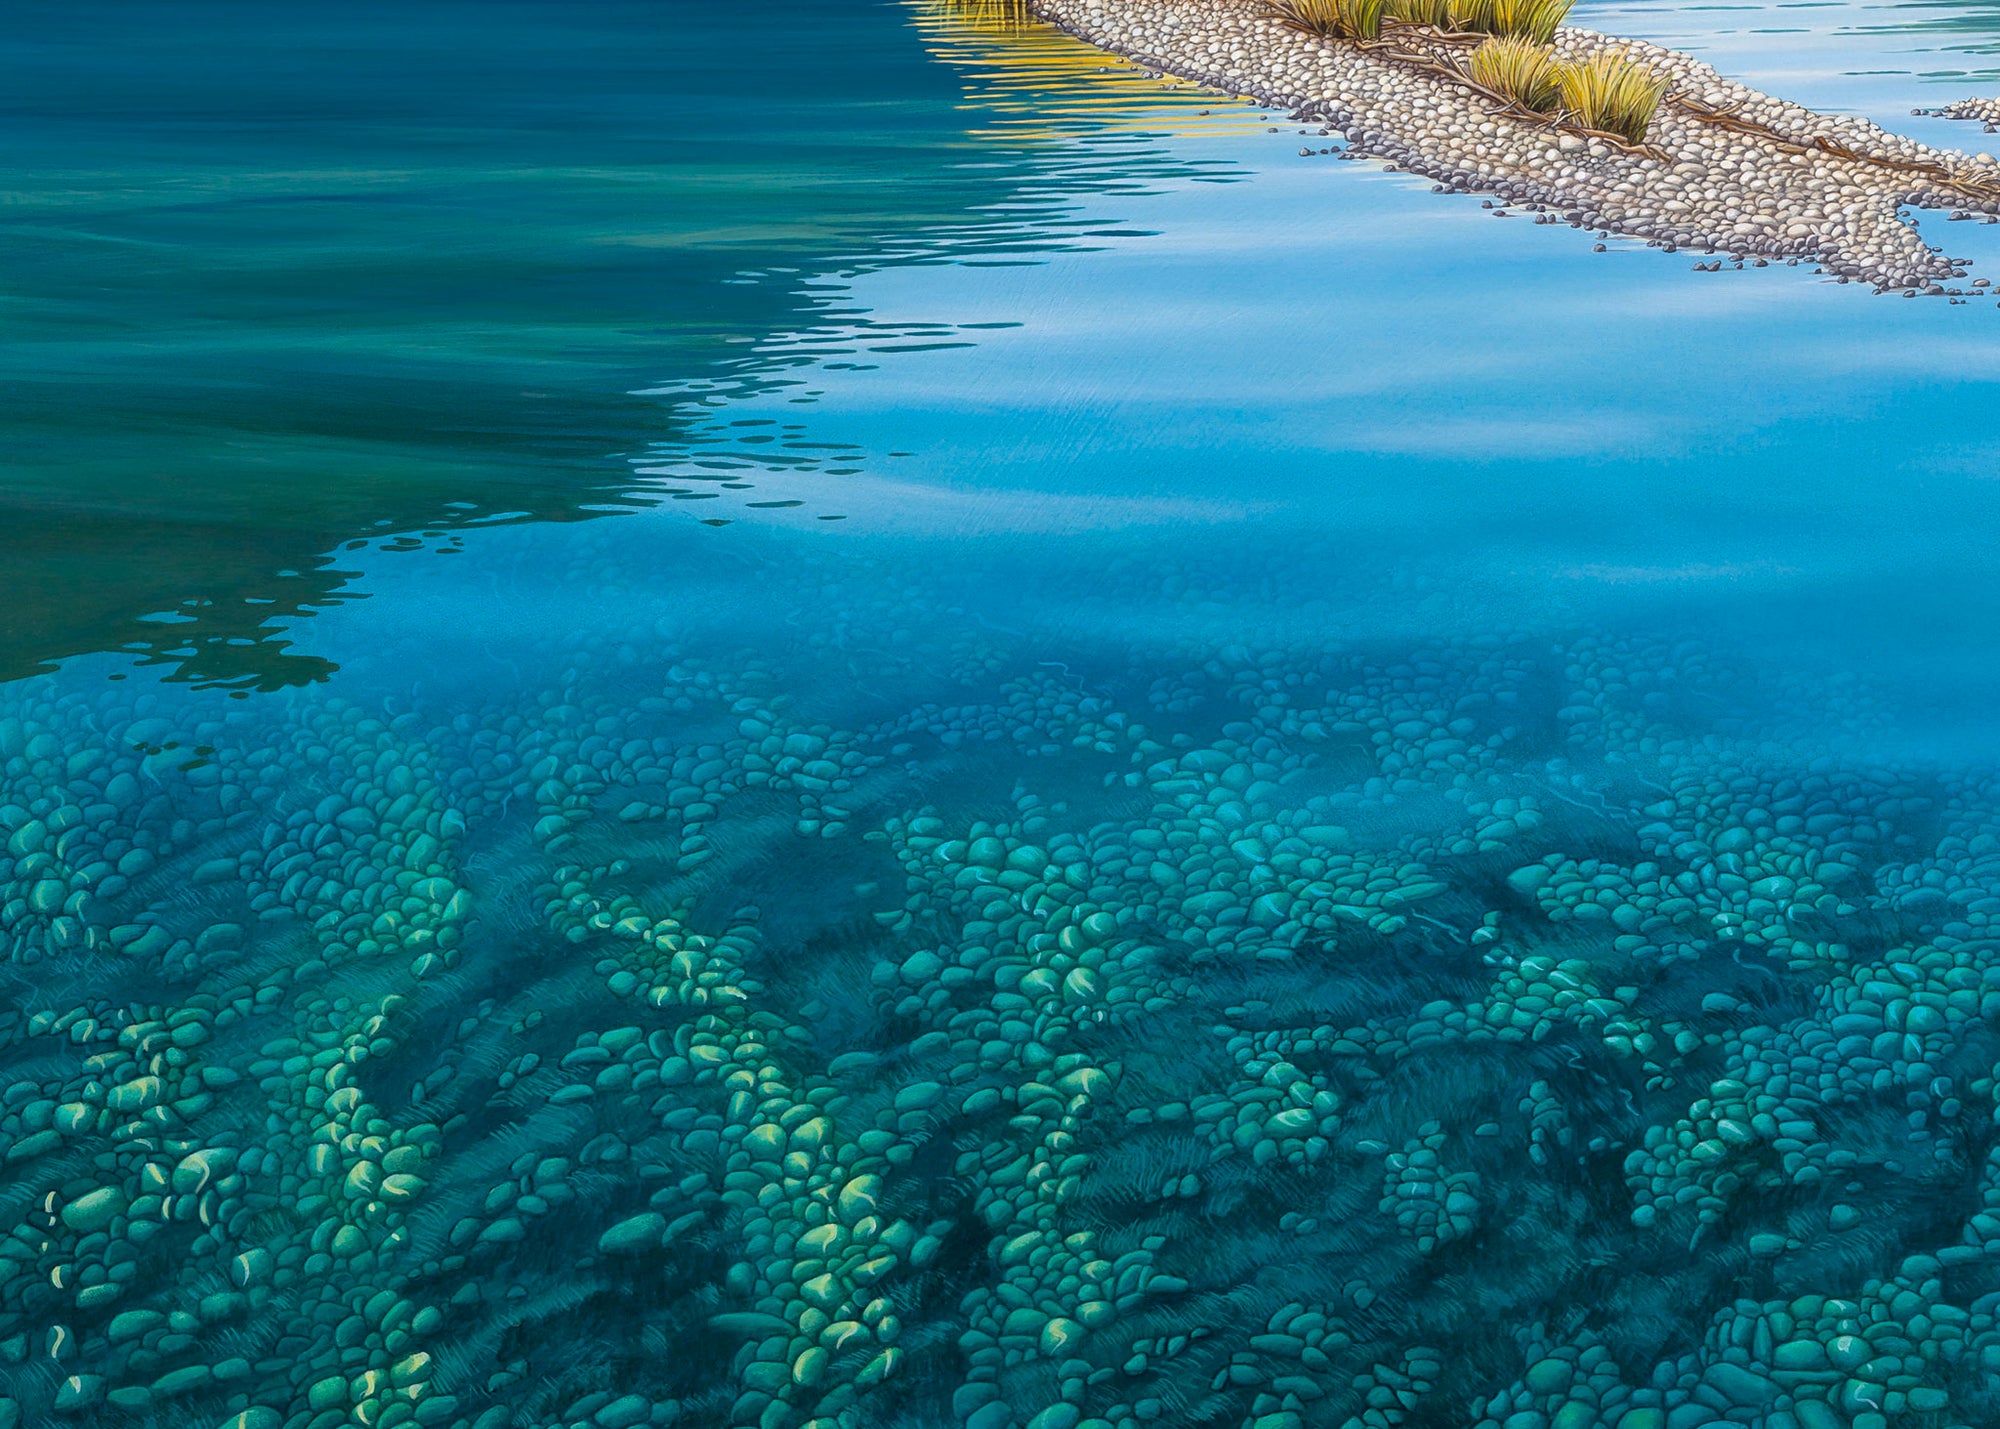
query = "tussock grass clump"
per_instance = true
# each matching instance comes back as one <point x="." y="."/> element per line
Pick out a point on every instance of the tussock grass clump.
<point x="1434" y="13"/>
<point x="1518" y="68"/>
<point x="1535" y="20"/>
<point x="1611" y="92"/>
<point x="1334" y="19"/>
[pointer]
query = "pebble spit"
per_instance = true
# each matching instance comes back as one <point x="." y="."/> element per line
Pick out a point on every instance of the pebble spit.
<point x="1767" y="180"/>
<point x="1980" y="109"/>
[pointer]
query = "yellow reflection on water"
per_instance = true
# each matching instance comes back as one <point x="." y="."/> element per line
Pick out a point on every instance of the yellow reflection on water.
<point x="1037" y="79"/>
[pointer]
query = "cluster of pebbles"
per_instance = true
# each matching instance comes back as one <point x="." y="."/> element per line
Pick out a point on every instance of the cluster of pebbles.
<point x="1984" y="110"/>
<point x="907" y="1023"/>
<point x="1724" y="169"/>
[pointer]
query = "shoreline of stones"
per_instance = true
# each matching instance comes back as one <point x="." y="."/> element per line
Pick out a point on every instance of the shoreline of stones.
<point x="1724" y="170"/>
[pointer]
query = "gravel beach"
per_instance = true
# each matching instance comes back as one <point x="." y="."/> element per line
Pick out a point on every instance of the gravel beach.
<point x="1724" y="169"/>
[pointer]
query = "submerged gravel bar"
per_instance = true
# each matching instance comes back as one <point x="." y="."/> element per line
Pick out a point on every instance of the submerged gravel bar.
<point x="1724" y="168"/>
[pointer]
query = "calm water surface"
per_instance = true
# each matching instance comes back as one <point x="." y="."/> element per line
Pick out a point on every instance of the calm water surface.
<point x="838" y="715"/>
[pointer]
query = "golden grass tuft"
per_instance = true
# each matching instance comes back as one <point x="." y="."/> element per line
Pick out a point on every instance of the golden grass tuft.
<point x="1333" y="19"/>
<point x="1611" y="92"/>
<point x="1475" y="15"/>
<point x="1434" y="13"/>
<point x="1535" y="20"/>
<point x="1517" y="68"/>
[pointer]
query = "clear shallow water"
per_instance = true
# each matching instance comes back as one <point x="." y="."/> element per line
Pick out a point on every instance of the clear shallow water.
<point x="927" y="734"/>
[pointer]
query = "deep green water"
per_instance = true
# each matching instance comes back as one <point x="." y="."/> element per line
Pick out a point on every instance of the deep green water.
<point x="813" y="716"/>
<point x="282" y="282"/>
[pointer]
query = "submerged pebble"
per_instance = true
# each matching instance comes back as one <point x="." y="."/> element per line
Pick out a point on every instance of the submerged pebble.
<point x="1205" y="1027"/>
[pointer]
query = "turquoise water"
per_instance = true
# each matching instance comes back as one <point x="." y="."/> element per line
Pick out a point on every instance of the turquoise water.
<point x="835" y="716"/>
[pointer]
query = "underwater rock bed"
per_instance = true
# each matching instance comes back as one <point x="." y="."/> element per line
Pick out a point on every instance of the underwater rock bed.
<point x="1723" y="168"/>
<point x="905" y="1026"/>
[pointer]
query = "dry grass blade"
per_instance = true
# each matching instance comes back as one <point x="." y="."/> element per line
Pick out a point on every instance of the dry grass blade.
<point x="1475" y="15"/>
<point x="1436" y="14"/>
<point x="1535" y="20"/>
<point x="1612" y="93"/>
<point x="1517" y="69"/>
<point x="1332" y="19"/>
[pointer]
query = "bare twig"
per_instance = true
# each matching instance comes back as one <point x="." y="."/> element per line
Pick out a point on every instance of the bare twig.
<point x="1821" y="144"/>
